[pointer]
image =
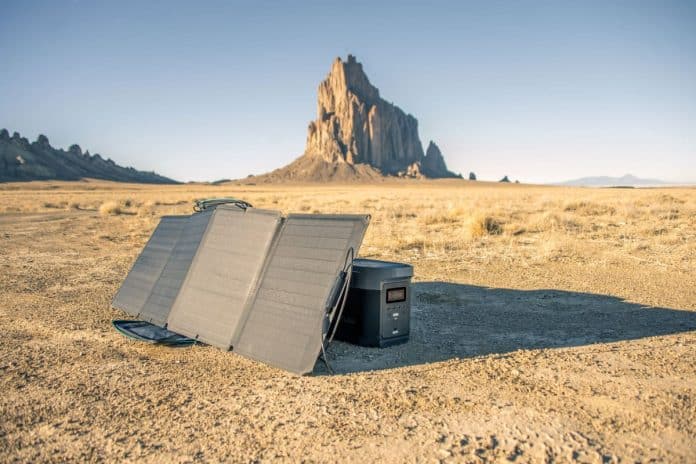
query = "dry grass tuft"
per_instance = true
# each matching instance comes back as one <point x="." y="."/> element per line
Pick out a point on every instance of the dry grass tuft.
<point x="403" y="214"/>
<point x="587" y="208"/>
<point x="449" y="216"/>
<point x="479" y="225"/>
<point x="110" y="208"/>
<point x="554" y="222"/>
<point x="51" y="205"/>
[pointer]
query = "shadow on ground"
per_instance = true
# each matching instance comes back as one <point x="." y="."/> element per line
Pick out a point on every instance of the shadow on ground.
<point x="459" y="321"/>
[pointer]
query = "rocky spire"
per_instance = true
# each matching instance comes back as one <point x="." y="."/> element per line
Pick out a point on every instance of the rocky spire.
<point x="42" y="141"/>
<point x="434" y="163"/>
<point x="355" y="125"/>
<point x="75" y="150"/>
<point x="19" y="140"/>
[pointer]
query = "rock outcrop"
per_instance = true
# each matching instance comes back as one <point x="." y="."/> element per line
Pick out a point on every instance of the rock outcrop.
<point x="355" y="125"/>
<point x="23" y="161"/>
<point x="357" y="133"/>
<point x="434" y="163"/>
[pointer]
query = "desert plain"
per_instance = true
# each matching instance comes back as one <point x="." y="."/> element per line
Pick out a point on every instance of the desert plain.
<point x="549" y="324"/>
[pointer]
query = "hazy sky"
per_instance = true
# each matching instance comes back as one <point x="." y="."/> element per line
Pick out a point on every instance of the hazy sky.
<point x="540" y="91"/>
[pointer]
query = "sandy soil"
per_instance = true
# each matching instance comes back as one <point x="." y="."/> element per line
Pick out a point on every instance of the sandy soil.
<point x="548" y="325"/>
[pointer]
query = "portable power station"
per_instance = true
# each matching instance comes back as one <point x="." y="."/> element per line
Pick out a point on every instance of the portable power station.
<point x="378" y="308"/>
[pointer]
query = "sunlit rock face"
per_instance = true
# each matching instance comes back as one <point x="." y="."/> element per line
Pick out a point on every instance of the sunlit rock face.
<point x="355" y="125"/>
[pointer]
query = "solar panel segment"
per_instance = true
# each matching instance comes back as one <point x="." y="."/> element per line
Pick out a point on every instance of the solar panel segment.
<point x="222" y="274"/>
<point x="143" y="276"/>
<point x="285" y="322"/>
<point x="159" y="304"/>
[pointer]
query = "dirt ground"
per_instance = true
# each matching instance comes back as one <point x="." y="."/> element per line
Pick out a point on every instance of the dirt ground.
<point x="548" y="325"/>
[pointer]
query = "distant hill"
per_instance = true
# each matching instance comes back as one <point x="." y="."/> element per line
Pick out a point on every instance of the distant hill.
<point x="627" y="180"/>
<point x="24" y="161"/>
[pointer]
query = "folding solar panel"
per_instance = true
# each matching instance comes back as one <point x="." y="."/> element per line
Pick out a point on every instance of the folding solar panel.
<point x="245" y="279"/>
<point x="223" y="274"/>
<point x="138" y="285"/>
<point x="284" y="324"/>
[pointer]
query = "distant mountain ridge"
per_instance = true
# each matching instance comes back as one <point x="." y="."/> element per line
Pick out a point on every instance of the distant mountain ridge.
<point x="627" y="180"/>
<point x="21" y="160"/>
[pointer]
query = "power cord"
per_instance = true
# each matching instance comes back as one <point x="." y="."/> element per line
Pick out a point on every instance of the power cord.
<point x="339" y="305"/>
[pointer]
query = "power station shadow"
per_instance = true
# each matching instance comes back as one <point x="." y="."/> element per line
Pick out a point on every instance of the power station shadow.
<point x="451" y="320"/>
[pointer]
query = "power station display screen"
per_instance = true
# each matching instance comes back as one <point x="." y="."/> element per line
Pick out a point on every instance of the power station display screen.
<point x="395" y="295"/>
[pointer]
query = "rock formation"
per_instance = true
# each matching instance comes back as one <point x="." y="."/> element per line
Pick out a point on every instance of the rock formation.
<point x="433" y="164"/>
<point x="22" y="161"/>
<point x="355" y="125"/>
<point x="358" y="134"/>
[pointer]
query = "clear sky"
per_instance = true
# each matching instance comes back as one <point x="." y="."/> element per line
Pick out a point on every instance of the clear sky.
<point x="541" y="91"/>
